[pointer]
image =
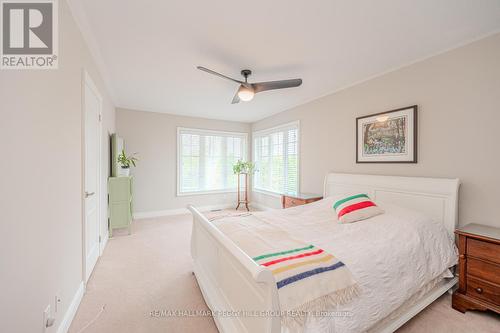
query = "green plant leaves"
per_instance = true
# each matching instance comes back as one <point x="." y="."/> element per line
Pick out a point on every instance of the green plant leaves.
<point x="243" y="167"/>
<point x="126" y="161"/>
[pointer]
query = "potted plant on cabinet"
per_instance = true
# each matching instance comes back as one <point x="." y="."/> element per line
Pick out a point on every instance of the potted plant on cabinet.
<point x="243" y="168"/>
<point x="126" y="162"/>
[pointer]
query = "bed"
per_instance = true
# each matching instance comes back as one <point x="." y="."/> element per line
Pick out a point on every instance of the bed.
<point x="231" y="282"/>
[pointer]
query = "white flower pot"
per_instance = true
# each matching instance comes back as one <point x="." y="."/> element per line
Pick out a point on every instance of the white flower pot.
<point x="125" y="172"/>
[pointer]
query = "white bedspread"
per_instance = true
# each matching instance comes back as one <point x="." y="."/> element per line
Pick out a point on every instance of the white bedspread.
<point x="392" y="256"/>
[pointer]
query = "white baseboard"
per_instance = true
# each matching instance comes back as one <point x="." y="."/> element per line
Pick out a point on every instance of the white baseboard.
<point x="181" y="211"/>
<point x="73" y="307"/>
<point x="178" y="211"/>
<point x="159" y="213"/>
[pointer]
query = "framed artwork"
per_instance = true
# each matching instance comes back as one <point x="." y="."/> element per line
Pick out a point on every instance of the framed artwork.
<point x="387" y="137"/>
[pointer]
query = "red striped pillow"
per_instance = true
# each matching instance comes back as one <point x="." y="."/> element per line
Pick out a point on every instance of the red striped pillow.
<point x="355" y="208"/>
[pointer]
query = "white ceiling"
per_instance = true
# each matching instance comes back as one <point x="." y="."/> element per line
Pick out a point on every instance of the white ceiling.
<point x="149" y="49"/>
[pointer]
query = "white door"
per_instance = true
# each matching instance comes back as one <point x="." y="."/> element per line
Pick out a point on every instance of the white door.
<point x="92" y="109"/>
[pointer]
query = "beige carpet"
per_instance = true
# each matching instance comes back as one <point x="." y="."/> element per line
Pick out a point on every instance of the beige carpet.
<point x="150" y="270"/>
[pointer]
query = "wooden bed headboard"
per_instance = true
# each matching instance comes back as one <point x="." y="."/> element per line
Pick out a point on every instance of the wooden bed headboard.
<point x="435" y="197"/>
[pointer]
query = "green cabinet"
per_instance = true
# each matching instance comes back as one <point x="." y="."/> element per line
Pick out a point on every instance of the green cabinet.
<point x="120" y="203"/>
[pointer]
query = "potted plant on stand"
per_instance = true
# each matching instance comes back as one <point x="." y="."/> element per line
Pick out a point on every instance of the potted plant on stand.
<point x="243" y="168"/>
<point x="125" y="162"/>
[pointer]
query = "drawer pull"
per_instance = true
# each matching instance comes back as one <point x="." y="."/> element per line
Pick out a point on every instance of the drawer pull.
<point x="479" y="290"/>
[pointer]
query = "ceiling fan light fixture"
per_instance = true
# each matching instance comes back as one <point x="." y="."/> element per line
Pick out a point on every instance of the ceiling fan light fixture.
<point x="245" y="94"/>
<point x="247" y="90"/>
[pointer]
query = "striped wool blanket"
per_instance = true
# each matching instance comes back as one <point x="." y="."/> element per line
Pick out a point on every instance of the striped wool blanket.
<point x="308" y="278"/>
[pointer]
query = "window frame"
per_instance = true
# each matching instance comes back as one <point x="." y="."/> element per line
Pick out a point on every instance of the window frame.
<point x="202" y="131"/>
<point x="268" y="131"/>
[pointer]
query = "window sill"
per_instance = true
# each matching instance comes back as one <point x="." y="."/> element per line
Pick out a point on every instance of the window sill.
<point x="268" y="193"/>
<point x="190" y="194"/>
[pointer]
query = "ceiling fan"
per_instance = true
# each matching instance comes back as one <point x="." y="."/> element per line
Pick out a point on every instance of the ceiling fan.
<point x="247" y="90"/>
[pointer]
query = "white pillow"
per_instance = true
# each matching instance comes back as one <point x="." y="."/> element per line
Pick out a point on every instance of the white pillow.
<point x="353" y="208"/>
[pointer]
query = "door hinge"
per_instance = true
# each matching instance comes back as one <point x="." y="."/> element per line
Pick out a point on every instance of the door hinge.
<point x="99" y="238"/>
<point x="100" y="117"/>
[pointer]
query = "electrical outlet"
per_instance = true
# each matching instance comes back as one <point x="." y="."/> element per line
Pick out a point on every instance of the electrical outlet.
<point x="48" y="319"/>
<point x="46" y="316"/>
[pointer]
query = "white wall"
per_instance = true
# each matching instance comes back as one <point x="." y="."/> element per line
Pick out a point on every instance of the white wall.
<point x="41" y="182"/>
<point x="154" y="137"/>
<point x="458" y="94"/>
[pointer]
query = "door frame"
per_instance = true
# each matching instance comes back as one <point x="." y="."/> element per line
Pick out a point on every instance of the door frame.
<point x="87" y="80"/>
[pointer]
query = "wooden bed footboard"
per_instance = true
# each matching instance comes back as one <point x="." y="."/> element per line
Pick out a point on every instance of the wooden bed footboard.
<point x="242" y="295"/>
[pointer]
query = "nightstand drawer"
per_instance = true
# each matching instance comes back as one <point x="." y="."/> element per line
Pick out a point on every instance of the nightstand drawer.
<point x="484" y="270"/>
<point x="483" y="250"/>
<point x="292" y="202"/>
<point x="479" y="269"/>
<point x="483" y="290"/>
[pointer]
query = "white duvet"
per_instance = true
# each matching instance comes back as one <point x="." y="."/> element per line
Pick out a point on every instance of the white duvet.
<point x="392" y="256"/>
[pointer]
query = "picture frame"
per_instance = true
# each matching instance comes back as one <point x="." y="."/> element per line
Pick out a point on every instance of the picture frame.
<point x="388" y="137"/>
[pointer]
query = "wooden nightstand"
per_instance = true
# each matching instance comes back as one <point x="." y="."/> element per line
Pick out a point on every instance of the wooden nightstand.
<point x="479" y="269"/>
<point x="296" y="199"/>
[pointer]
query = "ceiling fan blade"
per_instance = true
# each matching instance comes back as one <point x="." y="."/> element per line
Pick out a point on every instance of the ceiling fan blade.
<point x="201" y="68"/>
<point x="236" y="98"/>
<point x="270" y="85"/>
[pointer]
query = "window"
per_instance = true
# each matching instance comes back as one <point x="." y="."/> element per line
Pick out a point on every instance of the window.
<point x="276" y="159"/>
<point x="205" y="160"/>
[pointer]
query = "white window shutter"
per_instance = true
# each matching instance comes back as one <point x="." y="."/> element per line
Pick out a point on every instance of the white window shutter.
<point x="276" y="157"/>
<point x="206" y="159"/>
